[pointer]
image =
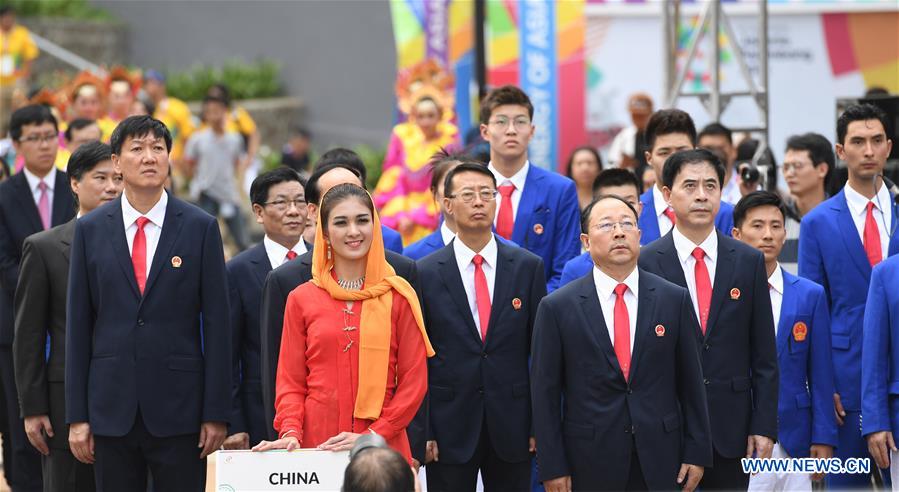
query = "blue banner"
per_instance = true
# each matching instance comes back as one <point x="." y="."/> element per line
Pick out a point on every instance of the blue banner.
<point x="539" y="77"/>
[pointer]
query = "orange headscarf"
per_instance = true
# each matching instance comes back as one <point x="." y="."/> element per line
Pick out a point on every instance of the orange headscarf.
<point x="377" y="300"/>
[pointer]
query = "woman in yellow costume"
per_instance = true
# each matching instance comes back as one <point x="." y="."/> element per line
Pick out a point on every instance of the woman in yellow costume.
<point x="403" y="193"/>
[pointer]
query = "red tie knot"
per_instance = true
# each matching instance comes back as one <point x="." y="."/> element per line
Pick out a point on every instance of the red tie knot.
<point x="870" y="205"/>
<point x="291" y="255"/>
<point x="141" y="222"/>
<point x="699" y="254"/>
<point x="506" y="190"/>
<point x="620" y="289"/>
<point x="478" y="260"/>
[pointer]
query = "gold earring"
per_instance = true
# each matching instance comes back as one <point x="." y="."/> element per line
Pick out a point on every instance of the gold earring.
<point x="329" y="251"/>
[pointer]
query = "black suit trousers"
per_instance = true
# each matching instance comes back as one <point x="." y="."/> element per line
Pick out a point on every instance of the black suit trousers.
<point x="21" y="462"/>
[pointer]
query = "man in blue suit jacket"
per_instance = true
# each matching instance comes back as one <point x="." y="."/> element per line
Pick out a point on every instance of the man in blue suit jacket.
<point x="480" y="410"/>
<point x="728" y="286"/>
<point x="148" y="342"/>
<point x="670" y="131"/>
<point x="807" y="424"/>
<point x="618" y="395"/>
<point x="537" y="209"/>
<point x="834" y="252"/>
<point x="279" y="204"/>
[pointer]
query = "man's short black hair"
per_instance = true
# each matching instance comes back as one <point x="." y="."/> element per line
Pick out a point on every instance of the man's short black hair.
<point x="615" y="176"/>
<point x="585" y="215"/>
<point x="78" y="124"/>
<point x="215" y="99"/>
<point x="819" y="150"/>
<point x="313" y="193"/>
<point x="465" y="167"/>
<point x="344" y="156"/>
<point x="33" y="114"/>
<point x="297" y="130"/>
<point x="264" y="182"/>
<point x="86" y="157"/>
<point x="757" y="199"/>
<point x="6" y="10"/>
<point x="378" y="470"/>
<point x="666" y="122"/>
<point x="678" y="160"/>
<point x="861" y="112"/>
<point x="139" y="126"/>
<point x="717" y="130"/>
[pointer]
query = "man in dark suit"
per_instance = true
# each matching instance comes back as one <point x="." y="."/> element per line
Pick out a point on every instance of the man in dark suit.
<point x="728" y="288"/>
<point x="617" y="389"/>
<point x="479" y="307"/>
<point x="41" y="312"/>
<point x="279" y="204"/>
<point x="282" y="280"/>
<point x="148" y="340"/>
<point x="31" y="201"/>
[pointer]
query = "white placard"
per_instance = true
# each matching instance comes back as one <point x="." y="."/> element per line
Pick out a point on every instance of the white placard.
<point x="303" y="469"/>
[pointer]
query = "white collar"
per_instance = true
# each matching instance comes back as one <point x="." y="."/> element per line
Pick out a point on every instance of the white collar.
<point x="605" y="285"/>
<point x="34" y="181"/>
<point x="858" y="203"/>
<point x="516" y="179"/>
<point x="464" y="254"/>
<point x="776" y="280"/>
<point x="685" y="247"/>
<point x="156" y="214"/>
<point x="659" y="201"/>
<point x="277" y="253"/>
<point x="446" y="234"/>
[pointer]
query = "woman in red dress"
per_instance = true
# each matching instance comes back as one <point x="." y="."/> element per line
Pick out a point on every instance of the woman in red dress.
<point x="354" y="348"/>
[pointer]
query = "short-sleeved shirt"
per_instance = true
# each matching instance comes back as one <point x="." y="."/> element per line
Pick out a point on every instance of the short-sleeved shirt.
<point x="16" y="48"/>
<point x="216" y="156"/>
<point x="176" y="116"/>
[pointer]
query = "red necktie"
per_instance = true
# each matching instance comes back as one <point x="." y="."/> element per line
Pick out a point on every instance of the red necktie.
<point x="505" y="222"/>
<point x="622" y="331"/>
<point x="291" y="255"/>
<point x="481" y="294"/>
<point x="703" y="287"/>
<point x="139" y="254"/>
<point x="669" y="212"/>
<point x="872" y="237"/>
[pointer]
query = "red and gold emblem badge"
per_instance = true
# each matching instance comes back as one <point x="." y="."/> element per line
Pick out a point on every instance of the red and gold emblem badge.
<point x="800" y="331"/>
<point x="735" y="294"/>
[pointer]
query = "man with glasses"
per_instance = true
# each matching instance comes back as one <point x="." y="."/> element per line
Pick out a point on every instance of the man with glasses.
<point x="480" y="405"/>
<point x="31" y="201"/>
<point x="618" y="396"/>
<point x="537" y="209"/>
<point x="279" y="204"/>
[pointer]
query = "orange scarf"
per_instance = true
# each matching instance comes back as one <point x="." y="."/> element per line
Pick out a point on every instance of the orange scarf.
<point x="377" y="300"/>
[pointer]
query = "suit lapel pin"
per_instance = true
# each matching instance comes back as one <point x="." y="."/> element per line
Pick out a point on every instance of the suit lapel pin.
<point x="516" y="303"/>
<point x="538" y="229"/>
<point x="735" y="294"/>
<point x="800" y="331"/>
<point x="176" y="261"/>
<point x="660" y="331"/>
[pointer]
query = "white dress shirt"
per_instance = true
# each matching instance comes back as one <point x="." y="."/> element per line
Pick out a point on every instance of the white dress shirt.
<point x="518" y="179"/>
<point x="685" y="249"/>
<point x="464" y="256"/>
<point x="277" y="254"/>
<point x="883" y="215"/>
<point x="152" y="229"/>
<point x="34" y="182"/>
<point x="661" y="205"/>
<point x="446" y="234"/>
<point x="776" y="281"/>
<point x="605" y="290"/>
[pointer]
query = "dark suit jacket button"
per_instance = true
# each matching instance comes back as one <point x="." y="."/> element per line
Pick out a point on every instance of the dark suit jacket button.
<point x="484" y="355"/>
<point x="630" y="391"/>
<point x="481" y="390"/>
<point x="705" y="381"/>
<point x="706" y="346"/>
<point x="140" y="322"/>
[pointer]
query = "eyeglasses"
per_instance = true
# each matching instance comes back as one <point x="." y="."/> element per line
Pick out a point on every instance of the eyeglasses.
<point x="795" y="166"/>
<point x="607" y="227"/>
<point x="519" y="123"/>
<point x="46" y="138"/>
<point x="468" y="196"/>
<point x="282" y="205"/>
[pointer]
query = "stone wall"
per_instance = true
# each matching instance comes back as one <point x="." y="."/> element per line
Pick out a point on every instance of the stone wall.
<point x="273" y="116"/>
<point x="103" y="43"/>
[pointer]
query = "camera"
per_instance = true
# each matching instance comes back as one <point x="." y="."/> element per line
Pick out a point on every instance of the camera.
<point x="749" y="172"/>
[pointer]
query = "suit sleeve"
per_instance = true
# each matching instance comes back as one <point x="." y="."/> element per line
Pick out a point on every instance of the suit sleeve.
<point x="80" y="319"/>
<point x="238" y="419"/>
<point x="876" y="345"/>
<point x="547" y="376"/>
<point x="697" y="427"/>
<point x="271" y="321"/>
<point x="215" y="311"/>
<point x="538" y="292"/>
<point x="820" y="370"/>
<point x="763" y="358"/>
<point x="9" y="257"/>
<point x="811" y="261"/>
<point x="567" y="239"/>
<point x="32" y="308"/>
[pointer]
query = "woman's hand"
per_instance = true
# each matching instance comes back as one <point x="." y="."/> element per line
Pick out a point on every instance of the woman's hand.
<point x="341" y="442"/>
<point x="289" y="443"/>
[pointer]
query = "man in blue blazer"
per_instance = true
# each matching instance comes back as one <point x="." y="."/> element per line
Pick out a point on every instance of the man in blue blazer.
<point x="729" y="291"/>
<point x="537" y="209"/>
<point x="670" y="131"/>
<point x="31" y="201"/>
<point x="148" y="341"/>
<point x="807" y="424"/>
<point x="617" y="389"/>
<point x="479" y="309"/>
<point x="619" y="182"/>
<point x="279" y="205"/>
<point x="839" y="242"/>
